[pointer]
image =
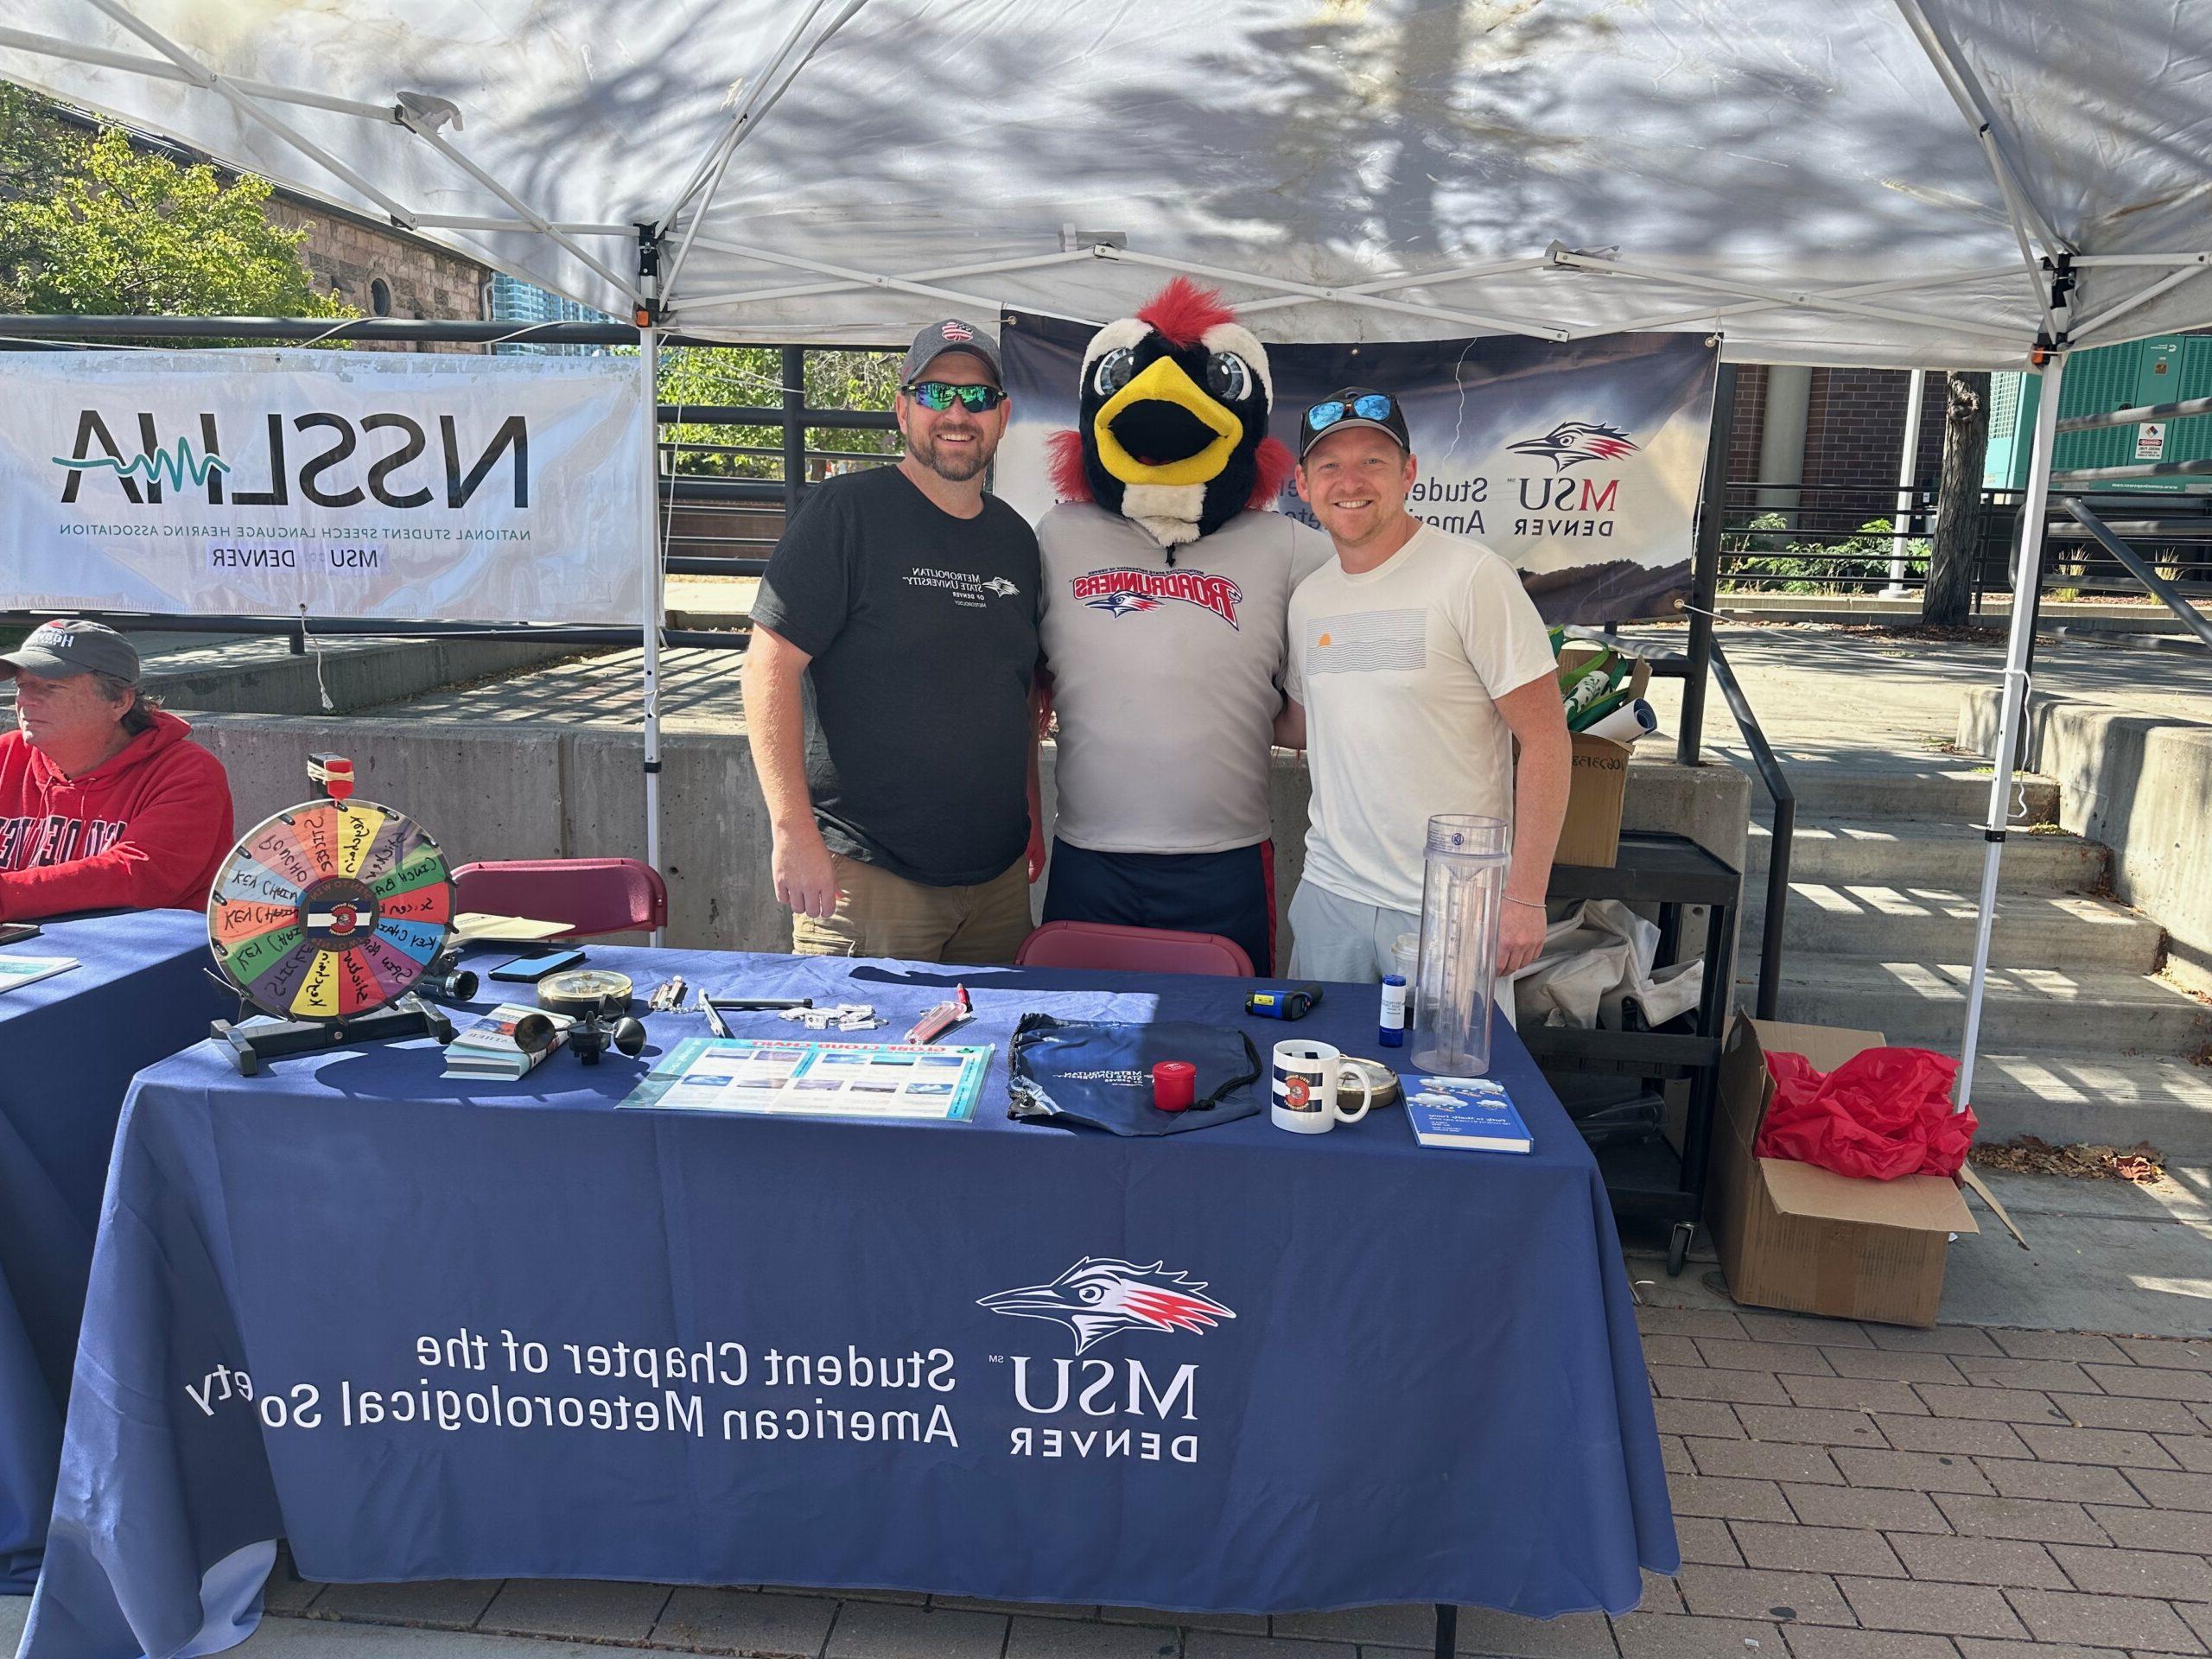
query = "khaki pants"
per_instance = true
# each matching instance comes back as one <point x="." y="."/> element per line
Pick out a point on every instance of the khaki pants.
<point x="880" y="914"/>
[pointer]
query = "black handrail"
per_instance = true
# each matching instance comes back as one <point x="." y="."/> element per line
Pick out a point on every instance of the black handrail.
<point x="842" y="420"/>
<point x="1785" y="829"/>
<point x="1674" y="665"/>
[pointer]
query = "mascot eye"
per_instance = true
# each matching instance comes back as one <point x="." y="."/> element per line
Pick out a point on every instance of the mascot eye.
<point x="1113" y="371"/>
<point x="1092" y="1293"/>
<point x="1229" y="376"/>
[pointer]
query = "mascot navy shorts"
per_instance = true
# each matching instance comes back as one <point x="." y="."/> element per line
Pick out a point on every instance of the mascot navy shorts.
<point x="1198" y="892"/>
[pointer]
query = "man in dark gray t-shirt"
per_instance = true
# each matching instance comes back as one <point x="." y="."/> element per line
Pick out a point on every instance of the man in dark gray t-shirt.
<point x="890" y="689"/>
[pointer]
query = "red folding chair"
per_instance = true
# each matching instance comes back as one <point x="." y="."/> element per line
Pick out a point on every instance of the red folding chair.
<point x="593" y="895"/>
<point x="1132" y="950"/>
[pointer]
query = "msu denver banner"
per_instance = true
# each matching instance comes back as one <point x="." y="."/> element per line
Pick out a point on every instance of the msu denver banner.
<point x="351" y="484"/>
<point x="1579" y="462"/>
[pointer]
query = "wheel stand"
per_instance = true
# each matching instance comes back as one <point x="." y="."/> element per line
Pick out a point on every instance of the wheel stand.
<point x="409" y="1017"/>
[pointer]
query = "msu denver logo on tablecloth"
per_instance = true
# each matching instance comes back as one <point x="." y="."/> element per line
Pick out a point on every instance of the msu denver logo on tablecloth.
<point x="1125" y="590"/>
<point x="1102" y="1296"/>
<point x="1571" y="442"/>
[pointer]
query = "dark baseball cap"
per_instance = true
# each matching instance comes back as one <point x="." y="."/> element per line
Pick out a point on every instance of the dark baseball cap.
<point x="951" y="335"/>
<point x="1352" y="406"/>
<point x="65" y="646"/>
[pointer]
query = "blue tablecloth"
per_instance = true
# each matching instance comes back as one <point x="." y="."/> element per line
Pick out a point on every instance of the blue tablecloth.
<point x="1357" y="1371"/>
<point x="68" y="1046"/>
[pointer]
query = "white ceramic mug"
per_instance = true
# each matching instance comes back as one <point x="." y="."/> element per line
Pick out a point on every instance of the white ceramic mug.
<point x="1307" y="1077"/>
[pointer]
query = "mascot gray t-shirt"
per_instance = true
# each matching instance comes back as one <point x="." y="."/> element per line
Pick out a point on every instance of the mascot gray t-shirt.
<point x="1168" y="677"/>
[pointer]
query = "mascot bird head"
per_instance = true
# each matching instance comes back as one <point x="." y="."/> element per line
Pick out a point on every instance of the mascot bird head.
<point x="1174" y="423"/>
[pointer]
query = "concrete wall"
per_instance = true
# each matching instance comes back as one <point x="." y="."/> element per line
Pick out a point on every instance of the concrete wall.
<point x="264" y="678"/>
<point x="487" y="790"/>
<point x="2141" y="786"/>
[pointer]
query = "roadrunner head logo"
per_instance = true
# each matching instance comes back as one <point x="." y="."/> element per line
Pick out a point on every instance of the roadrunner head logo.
<point x="1002" y="587"/>
<point x="1122" y="604"/>
<point x="1571" y="442"/>
<point x="1099" y="1297"/>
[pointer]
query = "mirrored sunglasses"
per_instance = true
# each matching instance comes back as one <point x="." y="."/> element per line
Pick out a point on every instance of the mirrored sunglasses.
<point x="941" y="394"/>
<point x="1374" y="406"/>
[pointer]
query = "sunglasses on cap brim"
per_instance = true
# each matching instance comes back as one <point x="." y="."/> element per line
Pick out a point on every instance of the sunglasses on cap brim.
<point x="941" y="395"/>
<point x="1372" y="406"/>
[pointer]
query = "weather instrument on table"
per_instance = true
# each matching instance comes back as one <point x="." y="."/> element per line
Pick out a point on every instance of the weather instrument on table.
<point x="331" y="916"/>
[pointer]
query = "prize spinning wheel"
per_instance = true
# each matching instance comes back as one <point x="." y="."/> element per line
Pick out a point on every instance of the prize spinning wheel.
<point x="327" y="913"/>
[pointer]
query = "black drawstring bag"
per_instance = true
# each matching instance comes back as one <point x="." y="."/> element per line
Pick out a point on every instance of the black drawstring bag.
<point x="1098" y="1072"/>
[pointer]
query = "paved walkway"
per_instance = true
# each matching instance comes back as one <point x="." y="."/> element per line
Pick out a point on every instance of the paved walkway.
<point x="1842" y="1492"/>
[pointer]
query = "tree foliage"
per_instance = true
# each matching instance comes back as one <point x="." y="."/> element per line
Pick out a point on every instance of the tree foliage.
<point x="95" y="226"/>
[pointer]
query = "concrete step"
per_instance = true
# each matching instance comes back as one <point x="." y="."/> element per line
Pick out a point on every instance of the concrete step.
<point x="2026" y="1009"/>
<point x="2099" y="1096"/>
<point x="1852" y="850"/>
<point x="1942" y="794"/>
<point x="1893" y="923"/>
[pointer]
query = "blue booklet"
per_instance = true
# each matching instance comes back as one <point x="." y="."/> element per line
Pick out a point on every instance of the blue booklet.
<point x="1470" y="1113"/>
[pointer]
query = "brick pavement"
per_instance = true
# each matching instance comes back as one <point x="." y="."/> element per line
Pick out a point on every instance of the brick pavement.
<point x="1841" y="1491"/>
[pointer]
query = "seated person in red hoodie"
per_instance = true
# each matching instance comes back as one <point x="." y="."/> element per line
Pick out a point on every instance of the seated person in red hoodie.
<point x="104" y="803"/>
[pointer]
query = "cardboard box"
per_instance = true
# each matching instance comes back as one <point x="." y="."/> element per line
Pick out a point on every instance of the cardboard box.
<point x="1791" y="1235"/>
<point x="1591" y="832"/>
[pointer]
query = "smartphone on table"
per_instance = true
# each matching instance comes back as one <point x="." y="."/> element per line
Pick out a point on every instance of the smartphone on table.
<point x="529" y="970"/>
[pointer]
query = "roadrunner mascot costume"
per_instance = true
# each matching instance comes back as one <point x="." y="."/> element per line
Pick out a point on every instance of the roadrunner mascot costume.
<point x="1167" y="574"/>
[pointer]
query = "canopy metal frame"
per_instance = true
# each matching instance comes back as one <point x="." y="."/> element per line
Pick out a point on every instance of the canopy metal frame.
<point x="2053" y="265"/>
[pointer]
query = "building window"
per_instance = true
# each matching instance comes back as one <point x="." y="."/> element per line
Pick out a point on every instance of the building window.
<point x="380" y="296"/>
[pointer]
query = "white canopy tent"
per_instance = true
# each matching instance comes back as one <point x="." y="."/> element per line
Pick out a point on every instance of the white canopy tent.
<point x="1919" y="184"/>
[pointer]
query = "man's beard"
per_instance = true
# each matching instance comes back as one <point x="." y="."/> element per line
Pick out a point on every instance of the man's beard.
<point x="952" y="469"/>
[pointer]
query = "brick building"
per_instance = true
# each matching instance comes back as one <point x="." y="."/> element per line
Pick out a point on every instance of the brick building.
<point x="381" y="270"/>
<point x="1835" y="433"/>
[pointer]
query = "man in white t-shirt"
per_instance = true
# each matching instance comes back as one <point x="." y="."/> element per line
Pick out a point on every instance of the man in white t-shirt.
<point x="1416" y="659"/>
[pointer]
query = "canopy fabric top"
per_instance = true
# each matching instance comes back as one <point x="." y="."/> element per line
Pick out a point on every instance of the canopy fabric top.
<point x="1831" y="181"/>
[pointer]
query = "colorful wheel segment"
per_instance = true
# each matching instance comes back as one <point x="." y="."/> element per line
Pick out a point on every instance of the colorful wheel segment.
<point x="329" y="910"/>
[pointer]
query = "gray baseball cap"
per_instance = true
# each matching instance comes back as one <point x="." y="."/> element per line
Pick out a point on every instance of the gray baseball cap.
<point x="58" y="649"/>
<point x="951" y="335"/>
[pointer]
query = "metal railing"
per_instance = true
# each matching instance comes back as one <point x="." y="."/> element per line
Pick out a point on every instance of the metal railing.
<point x="1822" y="537"/>
<point x="2160" y="589"/>
<point x="2170" y="532"/>
<point x="725" y="523"/>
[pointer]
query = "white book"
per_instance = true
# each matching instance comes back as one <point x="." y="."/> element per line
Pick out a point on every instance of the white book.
<point x="24" y="970"/>
<point x="487" y="1047"/>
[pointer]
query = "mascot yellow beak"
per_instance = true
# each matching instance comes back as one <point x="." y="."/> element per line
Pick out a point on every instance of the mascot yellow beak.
<point x="1164" y="381"/>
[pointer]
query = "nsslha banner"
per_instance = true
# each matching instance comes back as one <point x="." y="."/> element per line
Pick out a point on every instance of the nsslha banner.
<point x="338" y="484"/>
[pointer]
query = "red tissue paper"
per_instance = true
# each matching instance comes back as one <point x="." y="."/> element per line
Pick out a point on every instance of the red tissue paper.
<point x="1882" y="1114"/>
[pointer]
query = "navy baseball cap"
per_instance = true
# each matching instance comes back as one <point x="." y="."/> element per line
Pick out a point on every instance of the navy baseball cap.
<point x="1349" y="407"/>
<point x="951" y="335"/>
<point x="58" y="649"/>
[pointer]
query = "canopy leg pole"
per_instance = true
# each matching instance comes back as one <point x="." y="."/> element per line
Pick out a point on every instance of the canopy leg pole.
<point x="2027" y="583"/>
<point x="651" y="598"/>
<point x="1908" y="467"/>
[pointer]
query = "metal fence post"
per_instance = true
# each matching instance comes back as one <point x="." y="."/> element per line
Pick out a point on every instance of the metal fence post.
<point x="1705" y="572"/>
<point x="794" y="427"/>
